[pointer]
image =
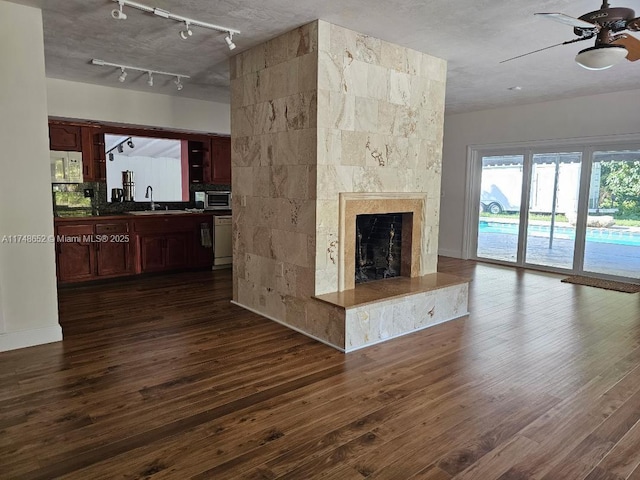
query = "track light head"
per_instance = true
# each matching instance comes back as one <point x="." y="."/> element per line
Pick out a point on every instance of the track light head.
<point x="178" y="83"/>
<point x="123" y="75"/>
<point x="150" y="81"/>
<point x="120" y="149"/>
<point x="130" y="143"/>
<point x="118" y="14"/>
<point x="187" y="32"/>
<point x="229" y="40"/>
<point x="110" y="157"/>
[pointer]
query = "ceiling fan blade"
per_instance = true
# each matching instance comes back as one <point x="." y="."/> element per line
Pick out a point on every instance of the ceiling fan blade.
<point x="634" y="24"/>
<point x="632" y="44"/>
<point x="567" y="20"/>
<point x="586" y="37"/>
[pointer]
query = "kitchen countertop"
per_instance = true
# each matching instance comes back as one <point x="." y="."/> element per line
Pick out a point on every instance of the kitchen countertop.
<point x="127" y="216"/>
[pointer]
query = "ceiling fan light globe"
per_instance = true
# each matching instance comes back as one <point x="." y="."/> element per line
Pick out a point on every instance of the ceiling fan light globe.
<point x="601" y="57"/>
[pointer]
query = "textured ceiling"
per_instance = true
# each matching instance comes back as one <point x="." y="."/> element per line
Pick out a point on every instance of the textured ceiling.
<point x="473" y="35"/>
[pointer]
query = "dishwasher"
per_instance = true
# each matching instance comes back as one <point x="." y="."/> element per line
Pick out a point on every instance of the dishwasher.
<point x="222" y="248"/>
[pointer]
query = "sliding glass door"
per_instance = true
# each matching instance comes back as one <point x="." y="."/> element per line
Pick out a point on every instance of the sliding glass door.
<point x="553" y="203"/>
<point x="612" y="240"/>
<point x="499" y="207"/>
<point x="573" y="210"/>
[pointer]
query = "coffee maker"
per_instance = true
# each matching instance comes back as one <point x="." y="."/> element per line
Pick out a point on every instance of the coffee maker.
<point x="128" y="186"/>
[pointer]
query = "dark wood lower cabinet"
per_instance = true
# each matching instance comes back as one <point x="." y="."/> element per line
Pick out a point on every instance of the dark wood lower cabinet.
<point x="74" y="253"/>
<point x="113" y="249"/>
<point x="104" y="247"/>
<point x="163" y="252"/>
<point x="93" y="250"/>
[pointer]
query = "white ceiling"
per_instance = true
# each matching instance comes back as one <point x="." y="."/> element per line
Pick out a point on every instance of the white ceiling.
<point x="473" y="35"/>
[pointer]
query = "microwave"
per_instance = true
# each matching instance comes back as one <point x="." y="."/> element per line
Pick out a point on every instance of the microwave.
<point x="217" y="200"/>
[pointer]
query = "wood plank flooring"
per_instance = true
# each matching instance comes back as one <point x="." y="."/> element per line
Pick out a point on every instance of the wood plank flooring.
<point x="163" y="378"/>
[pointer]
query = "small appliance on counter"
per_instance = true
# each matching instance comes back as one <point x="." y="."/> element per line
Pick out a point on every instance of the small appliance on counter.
<point x="117" y="195"/>
<point x="66" y="167"/>
<point x="217" y="200"/>
<point x="128" y="186"/>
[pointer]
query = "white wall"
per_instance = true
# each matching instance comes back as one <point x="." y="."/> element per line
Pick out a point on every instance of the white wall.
<point x="592" y="116"/>
<point x="84" y="101"/>
<point x="27" y="270"/>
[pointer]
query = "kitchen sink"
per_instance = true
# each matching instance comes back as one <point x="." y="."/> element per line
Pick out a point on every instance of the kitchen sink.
<point x="159" y="212"/>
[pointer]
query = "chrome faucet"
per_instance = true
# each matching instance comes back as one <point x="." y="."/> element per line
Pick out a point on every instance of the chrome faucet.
<point x="149" y="195"/>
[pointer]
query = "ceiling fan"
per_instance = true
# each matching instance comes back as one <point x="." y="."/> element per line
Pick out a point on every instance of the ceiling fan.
<point x="607" y="26"/>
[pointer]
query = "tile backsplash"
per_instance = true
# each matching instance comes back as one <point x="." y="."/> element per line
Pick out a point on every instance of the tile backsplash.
<point x="69" y="199"/>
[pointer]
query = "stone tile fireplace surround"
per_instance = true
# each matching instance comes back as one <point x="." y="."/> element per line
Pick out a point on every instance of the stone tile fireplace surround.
<point x="327" y="123"/>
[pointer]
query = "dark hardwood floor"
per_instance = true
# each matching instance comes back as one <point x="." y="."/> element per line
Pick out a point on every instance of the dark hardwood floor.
<point x="162" y="377"/>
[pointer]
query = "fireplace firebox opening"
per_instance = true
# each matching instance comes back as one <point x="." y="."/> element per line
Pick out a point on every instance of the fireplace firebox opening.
<point x="382" y="246"/>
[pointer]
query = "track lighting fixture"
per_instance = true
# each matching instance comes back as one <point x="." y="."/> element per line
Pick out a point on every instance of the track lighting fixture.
<point x="229" y="40"/>
<point x="148" y="71"/>
<point x="118" y="14"/>
<point x="188" y="22"/>
<point x="187" y="32"/>
<point x="119" y="147"/>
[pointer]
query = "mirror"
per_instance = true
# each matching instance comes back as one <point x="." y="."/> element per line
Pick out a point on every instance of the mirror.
<point x="154" y="161"/>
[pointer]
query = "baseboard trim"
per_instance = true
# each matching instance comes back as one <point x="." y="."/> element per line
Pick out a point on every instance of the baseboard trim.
<point x="443" y="252"/>
<point x="306" y="334"/>
<point x="29" y="338"/>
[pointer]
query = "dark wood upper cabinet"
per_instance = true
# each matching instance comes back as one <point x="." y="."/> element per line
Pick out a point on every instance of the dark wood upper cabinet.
<point x="198" y="153"/>
<point x="99" y="160"/>
<point x="221" y="160"/>
<point x="67" y="138"/>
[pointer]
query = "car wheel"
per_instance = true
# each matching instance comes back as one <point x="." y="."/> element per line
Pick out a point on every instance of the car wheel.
<point x="495" y="208"/>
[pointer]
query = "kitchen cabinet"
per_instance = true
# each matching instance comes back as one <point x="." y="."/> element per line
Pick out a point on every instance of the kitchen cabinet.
<point x="66" y="138"/>
<point x="163" y="252"/>
<point x="75" y="260"/>
<point x="113" y="250"/>
<point x="93" y="248"/>
<point x="208" y="160"/>
<point x="198" y="158"/>
<point x="221" y="160"/>
<point x="86" y="139"/>
<point x="173" y="242"/>
<point x="88" y="251"/>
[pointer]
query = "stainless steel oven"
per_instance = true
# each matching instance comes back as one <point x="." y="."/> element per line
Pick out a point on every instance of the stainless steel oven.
<point x="217" y="200"/>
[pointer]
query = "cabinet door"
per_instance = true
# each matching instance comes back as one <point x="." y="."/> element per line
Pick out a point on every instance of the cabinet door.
<point x="74" y="253"/>
<point x="152" y="253"/>
<point x="99" y="158"/>
<point x="113" y="252"/>
<point x="176" y="251"/>
<point x="221" y="160"/>
<point x="89" y="167"/>
<point x="65" y="137"/>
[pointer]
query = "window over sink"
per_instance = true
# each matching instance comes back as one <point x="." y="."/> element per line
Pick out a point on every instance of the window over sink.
<point x="155" y="162"/>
